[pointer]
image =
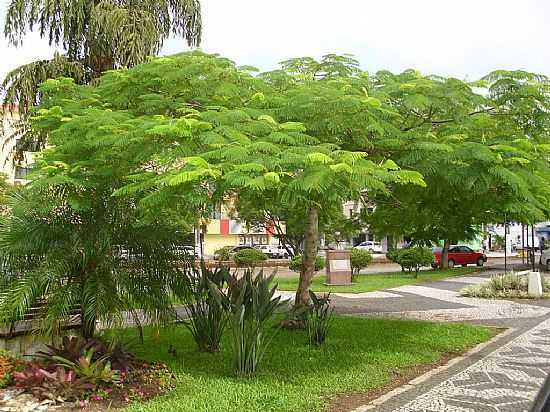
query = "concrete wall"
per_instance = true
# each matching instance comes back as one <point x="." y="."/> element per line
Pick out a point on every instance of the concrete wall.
<point x="213" y="242"/>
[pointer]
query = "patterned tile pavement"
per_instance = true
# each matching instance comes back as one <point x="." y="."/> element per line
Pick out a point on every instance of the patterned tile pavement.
<point x="504" y="381"/>
<point x="510" y="371"/>
<point x="474" y="308"/>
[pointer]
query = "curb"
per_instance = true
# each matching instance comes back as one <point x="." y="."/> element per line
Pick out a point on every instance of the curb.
<point x="424" y="377"/>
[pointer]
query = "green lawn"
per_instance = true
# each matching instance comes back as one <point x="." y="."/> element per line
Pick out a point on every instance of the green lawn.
<point x="359" y="355"/>
<point x="375" y="281"/>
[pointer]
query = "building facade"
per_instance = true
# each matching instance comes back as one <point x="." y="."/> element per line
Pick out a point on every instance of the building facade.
<point x="224" y="228"/>
<point x="15" y="170"/>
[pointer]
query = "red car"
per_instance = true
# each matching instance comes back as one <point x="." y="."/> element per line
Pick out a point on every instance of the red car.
<point x="460" y="255"/>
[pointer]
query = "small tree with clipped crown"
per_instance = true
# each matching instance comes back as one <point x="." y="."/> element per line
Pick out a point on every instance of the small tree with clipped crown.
<point x="249" y="258"/>
<point x="360" y="259"/>
<point x="414" y="258"/>
<point x="296" y="264"/>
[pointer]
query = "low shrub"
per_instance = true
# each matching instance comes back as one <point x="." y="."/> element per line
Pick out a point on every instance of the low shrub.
<point x="207" y="312"/>
<point x="54" y="382"/>
<point x="296" y="263"/>
<point x="72" y="348"/>
<point x="412" y="258"/>
<point x="253" y="304"/>
<point x="318" y="319"/>
<point x="509" y="285"/>
<point x="360" y="259"/>
<point x="223" y="254"/>
<point x="94" y="371"/>
<point x="249" y="258"/>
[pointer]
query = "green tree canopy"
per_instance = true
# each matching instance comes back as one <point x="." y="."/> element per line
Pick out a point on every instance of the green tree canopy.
<point x="481" y="147"/>
<point x="216" y="134"/>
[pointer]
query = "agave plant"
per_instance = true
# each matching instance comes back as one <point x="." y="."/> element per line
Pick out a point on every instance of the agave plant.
<point x="72" y="348"/>
<point x="207" y="307"/>
<point x="253" y="305"/>
<point x="318" y="318"/>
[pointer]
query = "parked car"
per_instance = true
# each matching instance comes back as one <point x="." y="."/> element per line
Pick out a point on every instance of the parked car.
<point x="274" y="252"/>
<point x="371" y="246"/>
<point x="460" y="255"/>
<point x="544" y="260"/>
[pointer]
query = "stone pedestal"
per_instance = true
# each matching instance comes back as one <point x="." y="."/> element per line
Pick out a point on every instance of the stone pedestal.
<point x="535" y="284"/>
<point x="338" y="267"/>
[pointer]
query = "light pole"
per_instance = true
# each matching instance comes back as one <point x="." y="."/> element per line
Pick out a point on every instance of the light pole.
<point x="505" y="244"/>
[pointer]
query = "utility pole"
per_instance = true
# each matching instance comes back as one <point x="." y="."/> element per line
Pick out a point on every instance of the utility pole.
<point x="522" y="244"/>
<point x="505" y="244"/>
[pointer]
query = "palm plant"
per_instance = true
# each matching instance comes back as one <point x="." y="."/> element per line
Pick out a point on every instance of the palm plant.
<point x="66" y="264"/>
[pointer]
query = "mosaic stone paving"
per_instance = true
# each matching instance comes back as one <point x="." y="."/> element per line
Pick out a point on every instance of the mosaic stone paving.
<point x="478" y="308"/>
<point x="506" y="380"/>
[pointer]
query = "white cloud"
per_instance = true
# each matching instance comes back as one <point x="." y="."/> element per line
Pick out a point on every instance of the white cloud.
<point x="463" y="39"/>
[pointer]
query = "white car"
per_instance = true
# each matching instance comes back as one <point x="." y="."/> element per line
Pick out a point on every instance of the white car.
<point x="274" y="252"/>
<point x="371" y="246"/>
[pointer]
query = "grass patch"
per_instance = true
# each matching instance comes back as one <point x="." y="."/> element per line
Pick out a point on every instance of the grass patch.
<point x="359" y="355"/>
<point x="375" y="281"/>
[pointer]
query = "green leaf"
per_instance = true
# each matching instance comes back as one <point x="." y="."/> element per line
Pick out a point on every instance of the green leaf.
<point x="318" y="158"/>
<point x="268" y="119"/>
<point x="293" y="127"/>
<point x="390" y="165"/>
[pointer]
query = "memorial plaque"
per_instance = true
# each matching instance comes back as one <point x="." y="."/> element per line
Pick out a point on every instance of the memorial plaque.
<point x="338" y="267"/>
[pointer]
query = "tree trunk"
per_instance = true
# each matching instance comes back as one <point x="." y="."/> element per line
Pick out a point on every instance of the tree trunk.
<point x="444" y="264"/>
<point x="310" y="253"/>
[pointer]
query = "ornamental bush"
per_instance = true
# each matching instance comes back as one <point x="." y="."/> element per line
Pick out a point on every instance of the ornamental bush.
<point x="413" y="258"/>
<point x="253" y="305"/>
<point x="296" y="263"/>
<point x="223" y="253"/>
<point x="360" y="259"/>
<point x="249" y="258"/>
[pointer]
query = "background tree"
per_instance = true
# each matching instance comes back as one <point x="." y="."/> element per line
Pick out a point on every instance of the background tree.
<point x="473" y="150"/>
<point x="97" y="35"/>
<point x="286" y="222"/>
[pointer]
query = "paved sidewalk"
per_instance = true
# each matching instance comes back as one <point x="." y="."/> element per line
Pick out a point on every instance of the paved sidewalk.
<point x="504" y="376"/>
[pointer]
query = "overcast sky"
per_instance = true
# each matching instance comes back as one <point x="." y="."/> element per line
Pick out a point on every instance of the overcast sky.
<point x="466" y="38"/>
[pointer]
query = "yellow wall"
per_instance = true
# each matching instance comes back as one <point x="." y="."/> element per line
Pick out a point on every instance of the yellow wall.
<point x="214" y="242"/>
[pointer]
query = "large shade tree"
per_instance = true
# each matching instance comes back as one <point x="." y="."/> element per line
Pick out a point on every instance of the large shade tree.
<point x="217" y="134"/>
